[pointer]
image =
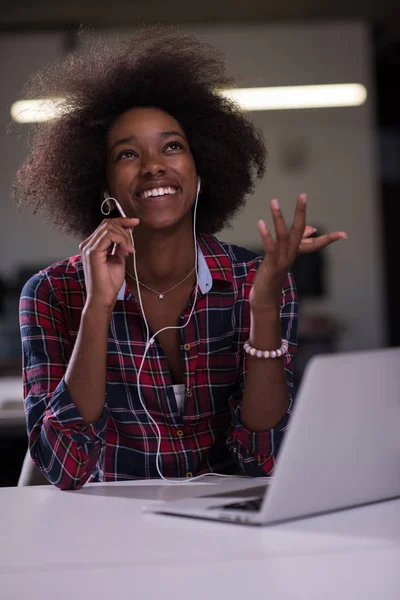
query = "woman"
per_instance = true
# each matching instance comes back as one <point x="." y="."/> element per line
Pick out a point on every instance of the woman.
<point x="108" y="395"/>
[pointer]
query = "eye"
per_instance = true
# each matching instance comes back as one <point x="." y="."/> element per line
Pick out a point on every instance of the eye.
<point x="175" y="145"/>
<point x="126" y="154"/>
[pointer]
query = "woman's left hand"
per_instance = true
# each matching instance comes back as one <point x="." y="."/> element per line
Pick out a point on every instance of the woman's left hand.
<point x="281" y="252"/>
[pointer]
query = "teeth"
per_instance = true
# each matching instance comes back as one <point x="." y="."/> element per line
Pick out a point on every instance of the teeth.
<point x="158" y="192"/>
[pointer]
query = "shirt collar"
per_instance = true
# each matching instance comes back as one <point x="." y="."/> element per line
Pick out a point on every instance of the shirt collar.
<point x="218" y="258"/>
<point x="204" y="275"/>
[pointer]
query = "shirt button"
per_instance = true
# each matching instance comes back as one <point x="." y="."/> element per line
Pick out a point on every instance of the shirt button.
<point x="189" y="393"/>
<point x="186" y="347"/>
<point x="189" y="474"/>
<point x="180" y="433"/>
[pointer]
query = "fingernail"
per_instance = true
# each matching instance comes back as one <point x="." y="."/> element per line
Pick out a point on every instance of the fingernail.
<point x="314" y="229"/>
<point x="303" y="198"/>
<point x="275" y="204"/>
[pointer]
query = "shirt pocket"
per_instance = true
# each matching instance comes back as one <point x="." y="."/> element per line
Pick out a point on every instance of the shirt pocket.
<point x="219" y="333"/>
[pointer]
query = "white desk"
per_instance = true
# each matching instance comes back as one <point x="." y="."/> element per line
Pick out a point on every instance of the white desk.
<point x="97" y="544"/>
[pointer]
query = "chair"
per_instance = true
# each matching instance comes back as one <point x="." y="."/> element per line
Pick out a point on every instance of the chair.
<point x="30" y="474"/>
<point x="12" y="414"/>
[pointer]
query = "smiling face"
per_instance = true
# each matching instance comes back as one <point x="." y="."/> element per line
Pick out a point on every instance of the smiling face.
<point x="150" y="168"/>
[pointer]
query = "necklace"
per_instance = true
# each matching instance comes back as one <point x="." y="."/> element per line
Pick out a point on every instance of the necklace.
<point x="160" y="294"/>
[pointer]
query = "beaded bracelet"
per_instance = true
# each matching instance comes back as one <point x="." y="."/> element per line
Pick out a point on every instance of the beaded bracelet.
<point x="267" y="353"/>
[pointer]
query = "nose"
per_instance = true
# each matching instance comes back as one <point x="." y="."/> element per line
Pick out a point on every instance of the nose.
<point x="152" y="165"/>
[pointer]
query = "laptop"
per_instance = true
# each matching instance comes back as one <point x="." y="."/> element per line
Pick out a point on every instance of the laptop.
<point x="341" y="448"/>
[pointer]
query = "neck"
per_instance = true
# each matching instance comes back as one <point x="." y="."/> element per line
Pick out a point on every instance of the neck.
<point x="162" y="257"/>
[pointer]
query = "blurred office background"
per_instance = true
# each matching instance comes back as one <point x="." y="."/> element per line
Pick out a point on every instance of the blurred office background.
<point x="346" y="159"/>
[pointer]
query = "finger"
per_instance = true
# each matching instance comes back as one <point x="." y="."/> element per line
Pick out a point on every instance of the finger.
<point x="319" y="243"/>
<point x="120" y="247"/>
<point x="266" y="237"/>
<point x="111" y="226"/>
<point x="124" y="247"/>
<point x="83" y="244"/>
<point x="105" y="239"/>
<point x="282" y="234"/>
<point x="87" y="241"/>
<point x="299" y="224"/>
<point x="308" y="231"/>
<point x="122" y="222"/>
<point x="126" y="222"/>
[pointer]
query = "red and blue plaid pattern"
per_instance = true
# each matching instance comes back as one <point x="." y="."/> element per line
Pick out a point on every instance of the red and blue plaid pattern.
<point x="206" y="437"/>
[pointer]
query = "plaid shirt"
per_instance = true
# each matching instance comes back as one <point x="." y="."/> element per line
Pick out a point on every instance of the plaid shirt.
<point x="207" y="436"/>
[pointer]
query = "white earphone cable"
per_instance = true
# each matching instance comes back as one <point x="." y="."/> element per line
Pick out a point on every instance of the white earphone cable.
<point x="150" y="341"/>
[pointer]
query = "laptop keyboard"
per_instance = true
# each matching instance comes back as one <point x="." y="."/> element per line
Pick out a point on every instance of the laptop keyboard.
<point x="250" y="505"/>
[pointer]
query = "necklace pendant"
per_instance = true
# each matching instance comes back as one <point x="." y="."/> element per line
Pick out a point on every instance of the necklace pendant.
<point x="161" y="297"/>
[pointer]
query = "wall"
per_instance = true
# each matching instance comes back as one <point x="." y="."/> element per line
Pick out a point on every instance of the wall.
<point x="25" y="239"/>
<point x="338" y="163"/>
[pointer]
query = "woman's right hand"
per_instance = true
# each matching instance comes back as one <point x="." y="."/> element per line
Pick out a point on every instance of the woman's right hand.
<point x="105" y="272"/>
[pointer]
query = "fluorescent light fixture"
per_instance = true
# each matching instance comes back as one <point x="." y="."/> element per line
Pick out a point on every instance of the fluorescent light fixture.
<point x="250" y="99"/>
<point x="37" y="111"/>
<point x="299" y="96"/>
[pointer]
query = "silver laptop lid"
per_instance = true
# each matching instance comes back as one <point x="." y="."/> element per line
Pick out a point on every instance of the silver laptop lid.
<point x="344" y="442"/>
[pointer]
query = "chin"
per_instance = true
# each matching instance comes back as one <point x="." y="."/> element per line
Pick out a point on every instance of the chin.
<point x="160" y="221"/>
<point x="160" y="224"/>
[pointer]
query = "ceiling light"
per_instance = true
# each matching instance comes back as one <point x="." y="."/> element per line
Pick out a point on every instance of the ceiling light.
<point x="249" y="99"/>
<point x="37" y="111"/>
<point x="298" y="96"/>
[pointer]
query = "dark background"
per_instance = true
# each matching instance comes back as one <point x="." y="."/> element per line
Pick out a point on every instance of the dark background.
<point x="383" y="18"/>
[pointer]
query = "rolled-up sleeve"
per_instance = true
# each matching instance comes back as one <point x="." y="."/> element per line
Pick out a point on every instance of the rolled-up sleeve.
<point x="255" y="452"/>
<point x="65" y="449"/>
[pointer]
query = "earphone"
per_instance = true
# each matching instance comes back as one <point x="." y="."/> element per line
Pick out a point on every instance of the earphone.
<point x="149" y="341"/>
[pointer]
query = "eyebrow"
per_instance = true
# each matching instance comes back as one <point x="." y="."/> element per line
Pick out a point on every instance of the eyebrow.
<point x="132" y="138"/>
